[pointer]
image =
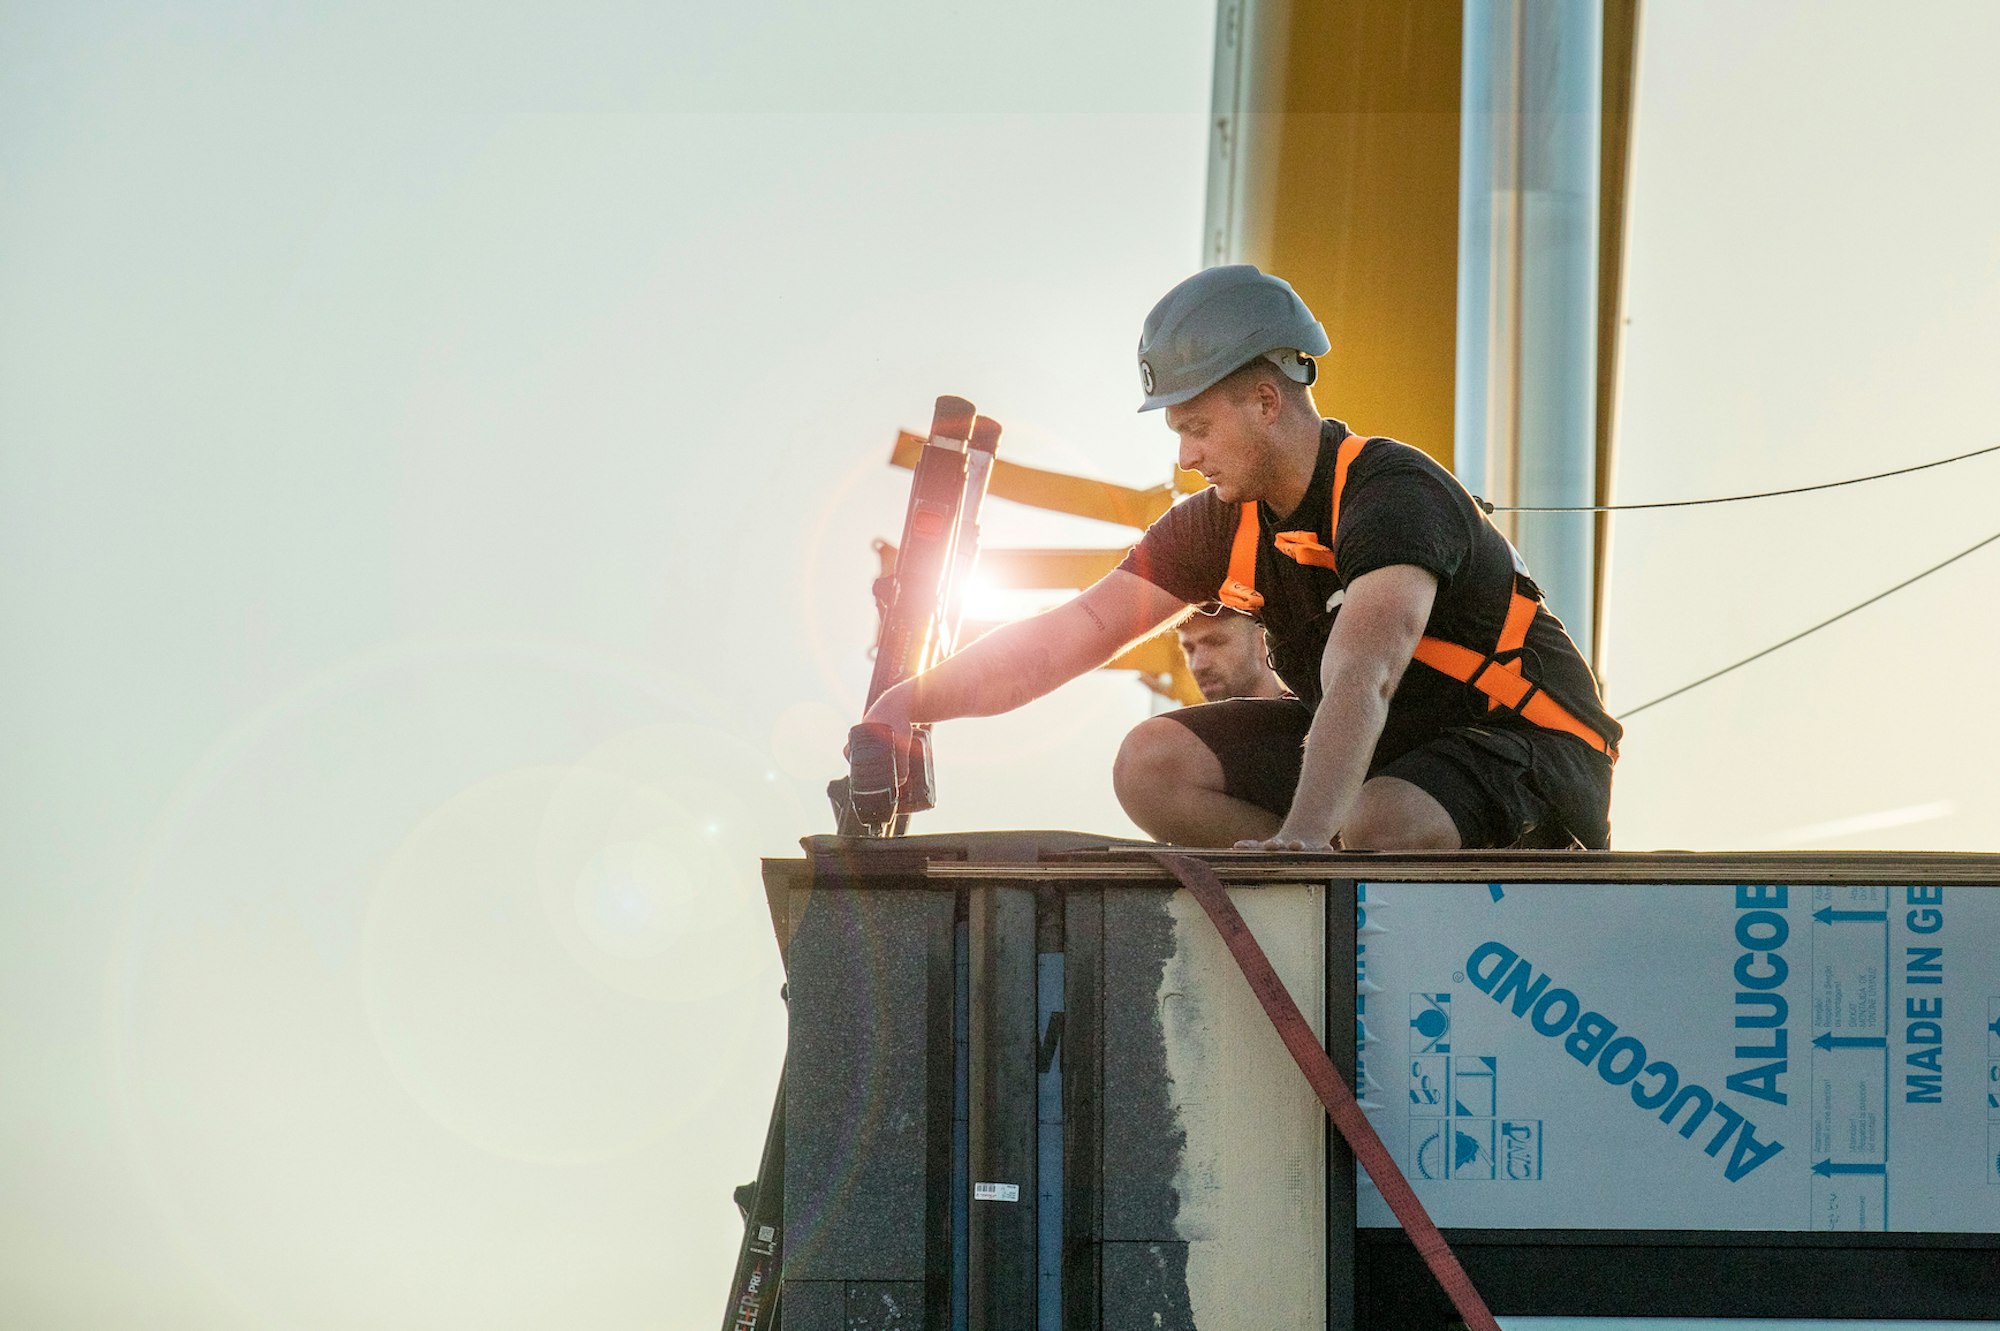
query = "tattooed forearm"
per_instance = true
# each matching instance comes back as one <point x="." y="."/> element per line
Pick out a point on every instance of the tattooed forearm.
<point x="1011" y="666"/>
<point x="1020" y="662"/>
<point x="1025" y="671"/>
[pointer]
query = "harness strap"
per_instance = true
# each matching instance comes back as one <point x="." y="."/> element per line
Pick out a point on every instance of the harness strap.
<point x="1200" y="880"/>
<point x="1239" y="588"/>
<point x="1350" y="449"/>
<point x="1505" y="686"/>
<point x="1304" y="546"/>
<point x="1520" y="614"/>
<point x="1513" y="633"/>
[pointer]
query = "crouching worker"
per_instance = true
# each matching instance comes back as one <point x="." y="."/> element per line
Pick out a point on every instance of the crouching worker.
<point x="1436" y="702"/>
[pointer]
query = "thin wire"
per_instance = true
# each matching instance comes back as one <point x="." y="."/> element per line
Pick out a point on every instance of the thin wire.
<point x="1634" y="711"/>
<point x="1731" y="499"/>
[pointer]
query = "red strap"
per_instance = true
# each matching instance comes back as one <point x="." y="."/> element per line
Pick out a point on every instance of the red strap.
<point x="1326" y="1081"/>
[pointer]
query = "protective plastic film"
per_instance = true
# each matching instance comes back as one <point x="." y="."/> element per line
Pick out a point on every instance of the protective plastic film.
<point x="1751" y="1056"/>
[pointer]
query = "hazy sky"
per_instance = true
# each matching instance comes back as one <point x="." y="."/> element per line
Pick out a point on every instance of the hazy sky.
<point x="441" y="446"/>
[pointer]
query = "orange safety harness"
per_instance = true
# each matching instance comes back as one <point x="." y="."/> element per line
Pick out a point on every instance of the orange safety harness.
<point x="1497" y="673"/>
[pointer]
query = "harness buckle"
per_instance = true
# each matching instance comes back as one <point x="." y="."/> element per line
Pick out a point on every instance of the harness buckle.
<point x="1239" y="597"/>
<point x="1493" y="702"/>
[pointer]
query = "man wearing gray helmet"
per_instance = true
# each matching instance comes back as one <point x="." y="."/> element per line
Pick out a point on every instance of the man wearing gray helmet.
<point x="1438" y="703"/>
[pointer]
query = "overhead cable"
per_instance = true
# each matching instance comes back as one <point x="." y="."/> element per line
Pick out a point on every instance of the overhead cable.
<point x="1732" y="499"/>
<point x="1634" y="711"/>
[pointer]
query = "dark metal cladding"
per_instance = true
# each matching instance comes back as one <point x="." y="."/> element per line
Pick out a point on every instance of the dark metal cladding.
<point x="1343" y="1047"/>
<point x="1003" y="1121"/>
<point x="874" y="1306"/>
<point x="815" y="1305"/>
<point x="1145" y="1287"/>
<point x="1083" y="1105"/>
<point x="1767" y="1275"/>
<point x="868" y="1097"/>
<point x="854" y="1305"/>
<point x="1145" y="1260"/>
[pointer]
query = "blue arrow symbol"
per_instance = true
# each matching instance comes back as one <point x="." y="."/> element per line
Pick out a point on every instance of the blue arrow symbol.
<point x="1832" y="1041"/>
<point x="1828" y="915"/>
<point x="1994" y="1026"/>
<point x="1827" y="1169"/>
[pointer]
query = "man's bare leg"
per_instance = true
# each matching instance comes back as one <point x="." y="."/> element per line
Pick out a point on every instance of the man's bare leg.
<point x="1171" y="785"/>
<point x="1393" y="814"/>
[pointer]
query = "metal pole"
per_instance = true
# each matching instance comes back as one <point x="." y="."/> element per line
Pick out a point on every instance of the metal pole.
<point x="1527" y="281"/>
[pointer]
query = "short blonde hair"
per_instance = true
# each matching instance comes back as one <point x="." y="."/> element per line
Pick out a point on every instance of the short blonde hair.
<point x="1239" y="382"/>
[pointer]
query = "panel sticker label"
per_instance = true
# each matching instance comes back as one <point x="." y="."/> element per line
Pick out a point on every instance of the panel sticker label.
<point x="1748" y="1056"/>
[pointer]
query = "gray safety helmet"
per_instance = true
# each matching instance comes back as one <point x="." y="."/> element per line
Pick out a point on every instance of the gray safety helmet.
<point x="1215" y="323"/>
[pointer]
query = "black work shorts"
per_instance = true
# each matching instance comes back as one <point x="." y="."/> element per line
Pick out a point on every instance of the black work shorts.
<point x="1513" y="787"/>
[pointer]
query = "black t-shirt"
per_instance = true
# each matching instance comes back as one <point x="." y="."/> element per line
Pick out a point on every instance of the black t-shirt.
<point x="1398" y="507"/>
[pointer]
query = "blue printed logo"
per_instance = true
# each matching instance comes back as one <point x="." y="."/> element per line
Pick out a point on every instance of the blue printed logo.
<point x="1428" y="1081"/>
<point x="1474" y="1087"/>
<point x="1470" y="1153"/>
<point x="1430" y="1023"/>
<point x="1521" y="1148"/>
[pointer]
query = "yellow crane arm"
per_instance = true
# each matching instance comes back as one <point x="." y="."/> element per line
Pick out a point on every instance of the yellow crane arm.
<point x="1059" y="493"/>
